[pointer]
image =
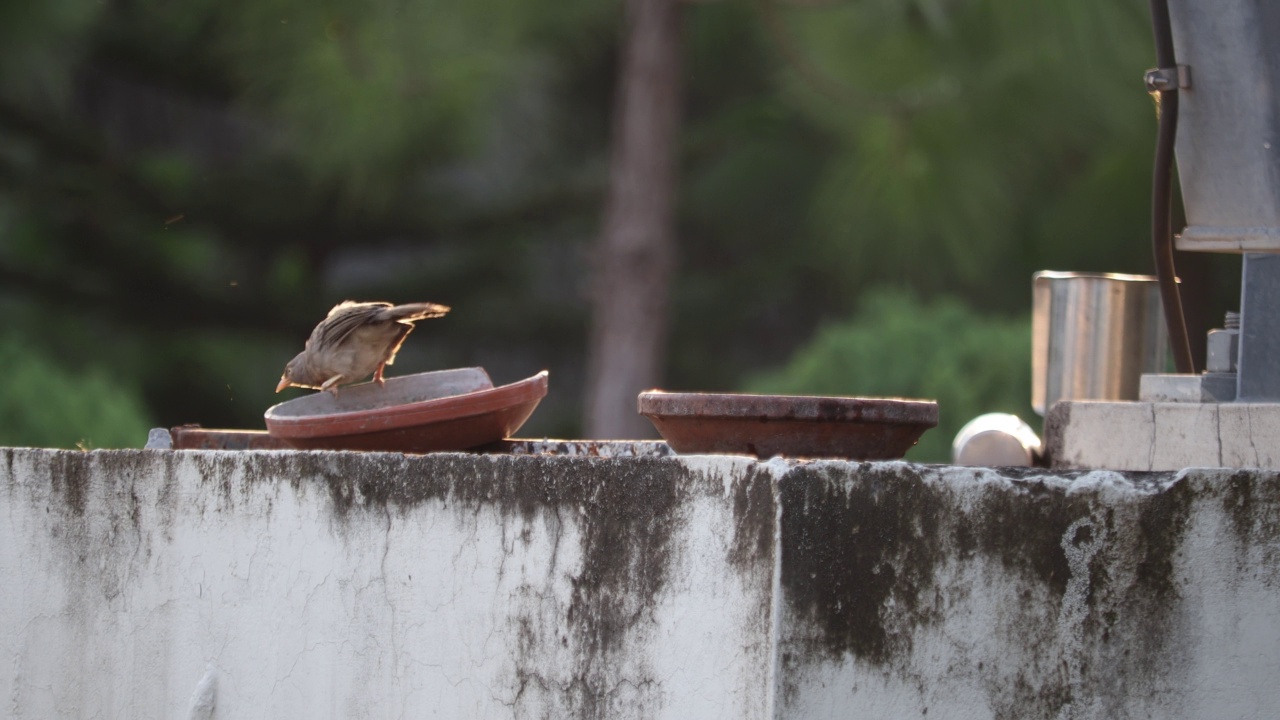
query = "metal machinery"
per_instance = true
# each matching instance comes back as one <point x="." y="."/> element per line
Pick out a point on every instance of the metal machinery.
<point x="1226" y="81"/>
<point x="1098" y="341"/>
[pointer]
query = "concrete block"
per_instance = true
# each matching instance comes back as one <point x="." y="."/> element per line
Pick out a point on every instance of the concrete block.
<point x="1205" y="387"/>
<point x="1163" y="436"/>
<point x="1250" y="435"/>
<point x="1186" y="435"/>
<point x="1100" y="434"/>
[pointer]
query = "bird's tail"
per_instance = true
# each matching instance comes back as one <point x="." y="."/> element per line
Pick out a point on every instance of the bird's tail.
<point x="414" y="311"/>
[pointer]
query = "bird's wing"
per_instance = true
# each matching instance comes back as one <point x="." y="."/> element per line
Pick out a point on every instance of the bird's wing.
<point x="342" y="320"/>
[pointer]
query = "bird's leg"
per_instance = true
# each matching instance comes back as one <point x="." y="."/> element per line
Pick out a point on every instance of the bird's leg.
<point x="390" y="356"/>
<point x="331" y="385"/>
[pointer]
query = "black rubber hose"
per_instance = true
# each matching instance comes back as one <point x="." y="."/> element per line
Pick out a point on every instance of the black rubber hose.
<point x="1162" y="195"/>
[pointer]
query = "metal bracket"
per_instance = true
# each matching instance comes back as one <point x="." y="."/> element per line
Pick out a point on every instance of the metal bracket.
<point x="1162" y="79"/>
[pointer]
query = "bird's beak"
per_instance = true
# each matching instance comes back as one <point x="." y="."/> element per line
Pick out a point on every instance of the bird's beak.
<point x="284" y="383"/>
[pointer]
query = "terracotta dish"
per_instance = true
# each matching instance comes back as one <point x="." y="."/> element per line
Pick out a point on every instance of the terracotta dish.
<point x="790" y="425"/>
<point x="194" y="437"/>
<point x="425" y="412"/>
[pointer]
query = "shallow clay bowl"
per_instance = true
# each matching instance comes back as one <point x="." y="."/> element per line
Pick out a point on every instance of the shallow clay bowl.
<point x="425" y="412"/>
<point x="790" y="425"/>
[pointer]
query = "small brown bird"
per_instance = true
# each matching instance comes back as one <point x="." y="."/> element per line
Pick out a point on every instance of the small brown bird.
<point x="355" y="339"/>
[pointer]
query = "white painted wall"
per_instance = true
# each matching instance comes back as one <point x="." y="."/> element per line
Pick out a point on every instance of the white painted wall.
<point x="159" y="584"/>
<point x="183" y="562"/>
<point x="1170" y="606"/>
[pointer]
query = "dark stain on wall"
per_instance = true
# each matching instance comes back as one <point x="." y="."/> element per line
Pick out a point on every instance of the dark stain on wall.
<point x="627" y="510"/>
<point x="630" y="516"/>
<point x="754" y="516"/>
<point x="1162" y="522"/>
<point x="1238" y="503"/>
<point x="70" y="477"/>
<point x="1035" y="692"/>
<point x="1251" y="500"/>
<point x="1133" y="638"/>
<point x="93" y="509"/>
<point x="858" y="555"/>
<point x="1023" y="527"/>
<point x="862" y="549"/>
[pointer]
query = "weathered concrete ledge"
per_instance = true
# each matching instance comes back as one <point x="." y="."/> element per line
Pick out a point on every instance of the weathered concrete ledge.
<point x="161" y="584"/>
<point x="1165" y="436"/>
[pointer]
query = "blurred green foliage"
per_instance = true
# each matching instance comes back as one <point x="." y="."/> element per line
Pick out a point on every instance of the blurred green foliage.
<point x="898" y="346"/>
<point x="962" y="125"/>
<point x="186" y="188"/>
<point x="48" y="404"/>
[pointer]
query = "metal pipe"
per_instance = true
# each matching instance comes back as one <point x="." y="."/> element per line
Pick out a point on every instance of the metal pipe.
<point x="1162" y="193"/>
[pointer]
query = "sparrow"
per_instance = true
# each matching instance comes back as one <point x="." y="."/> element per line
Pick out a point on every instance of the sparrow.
<point x="354" y="339"/>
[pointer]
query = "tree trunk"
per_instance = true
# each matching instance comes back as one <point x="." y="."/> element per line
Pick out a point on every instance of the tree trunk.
<point x="635" y="256"/>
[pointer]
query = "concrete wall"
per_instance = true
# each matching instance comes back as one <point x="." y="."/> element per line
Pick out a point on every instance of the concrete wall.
<point x="162" y="584"/>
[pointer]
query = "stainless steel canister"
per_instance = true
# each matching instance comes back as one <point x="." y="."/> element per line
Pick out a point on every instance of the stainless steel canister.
<point x="1093" y="335"/>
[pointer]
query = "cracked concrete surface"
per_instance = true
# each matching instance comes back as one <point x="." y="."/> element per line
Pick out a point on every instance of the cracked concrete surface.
<point x="1163" y="436"/>
<point x="163" y="584"/>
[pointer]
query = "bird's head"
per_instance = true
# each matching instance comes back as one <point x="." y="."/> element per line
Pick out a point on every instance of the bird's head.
<point x="296" y="373"/>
